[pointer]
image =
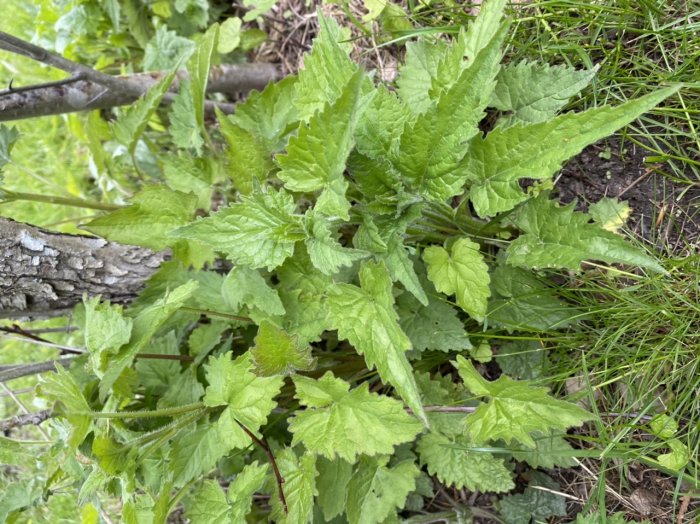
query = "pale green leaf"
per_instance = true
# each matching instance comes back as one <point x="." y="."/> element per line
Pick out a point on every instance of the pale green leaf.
<point x="417" y="74"/>
<point x="521" y="301"/>
<point x="209" y="504"/>
<point x="189" y="175"/>
<point x="455" y="465"/>
<point x="18" y="495"/>
<point x="401" y="269"/>
<point x="333" y="479"/>
<point x="269" y="115"/>
<point x="327" y="69"/>
<point x="336" y="420"/>
<point x="560" y="237"/>
<point x="62" y="387"/>
<point x="381" y="124"/>
<point x="131" y="123"/>
<point x="374" y="9"/>
<point x="198" y="68"/>
<point x="325" y="252"/>
<point x="366" y="317"/>
<point x="611" y="214"/>
<point x="550" y="451"/>
<point x="229" y="35"/>
<point x="260" y="231"/>
<point x="534" y="92"/>
<point x="678" y="457"/>
<point x="276" y="352"/>
<point x="154" y="212"/>
<point x="184" y="128"/>
<point x="484" y="28"/>
<point x="316" y="156"/>
<point x="165" y="50"/>
<point x="257" y="8"/>
<point x="431" y="149"/>
<point x="144" y="327"/>
<point x="461" y="272"/>
<point x="8" y="137"/>
<point x="299" y="475"/>
<point x="106" y="330"/>
<point x="434" y="326"/>
<point x="245" y="286"/>
<point x="514" y="409"/>
<point x="376" y="491"/>
<point x="497" y="163"/>
<point x="249" y="161"/>
<point x="196" y="452"/>
<point x="233" y="384"/>
<point x="244" y="486"/>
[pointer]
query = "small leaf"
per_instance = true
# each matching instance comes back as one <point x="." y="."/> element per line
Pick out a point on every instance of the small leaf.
<point x="257" y="8"/>
<point x="260" y="231"/>
<point x="366" y="317"/>
<point x="514" y="409"/>
<point x="8" y="137"/>
<point x="229" y="35"/>
<point x="198" y="68"/>
<point x="610" y="213"/>
<point x="184" y="128"/>
<point x="209" y="504"/>
<point x="336" y="420"/>
<point x="276" y="352"/>
<point x="325" y="252"/>
<point x="106" y="330"/>
<point x="245" y="286"/>
<point x="165" y="50"/>
<point x="461" y="272"/>
<point x="244" y="486"/>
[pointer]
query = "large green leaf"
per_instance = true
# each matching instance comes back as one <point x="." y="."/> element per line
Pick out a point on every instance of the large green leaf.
<point x="299" y="474"/>
<point x="514" y="409"/>
<point x="260" y="231"/>
<point x="366" y="317"/>
<point x="461" y="272"/>
<point x="198" y="68"/>
<point x="106" y="330"/>
<point x="316" y="156"/>
<point x="62" y="387"/>
<point x="344" y="423"/>
<point x="556" y="236"/>
<point x="325" y="252"/>
<point x="154" y="212"/>
<point x="276" y="352"/>
<point x="496" y="163"/>
<point x="245" y="286"/>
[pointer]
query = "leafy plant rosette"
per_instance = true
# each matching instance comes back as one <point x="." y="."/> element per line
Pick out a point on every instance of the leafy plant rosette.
<point x="368" y="229"/>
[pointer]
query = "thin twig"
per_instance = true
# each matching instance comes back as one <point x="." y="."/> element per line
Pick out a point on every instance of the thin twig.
<point x="26" y="419"/>
<point x="13" y="372"/>
<point x="45" y="85"/>
<point x="24" y="409"/>
<point x="278" y="476"/>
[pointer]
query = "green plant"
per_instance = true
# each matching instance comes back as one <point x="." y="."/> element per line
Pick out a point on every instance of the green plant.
<point x="349" y="229"/>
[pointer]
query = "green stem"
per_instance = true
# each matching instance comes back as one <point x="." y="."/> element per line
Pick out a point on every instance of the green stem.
<point x="10" y="196"/>
<point x="159" y="436"/>
<point x="216" y="314"/>
<point x="165" y="412"/>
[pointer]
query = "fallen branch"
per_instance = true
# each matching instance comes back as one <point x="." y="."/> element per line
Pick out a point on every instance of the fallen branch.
<point x="26" y="419"/>
<point x="24" y="370"/>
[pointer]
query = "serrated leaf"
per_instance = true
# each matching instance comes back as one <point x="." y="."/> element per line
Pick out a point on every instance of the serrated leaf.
<point x="165" y="50"/>
<point x="184" y="129"/>
<point x="325" y="252"/>
<point x="249" y="161"/>
<point x="380" y="125"/>
<point x="534" y="504"/>
<point x="556" y="236"/>
<point x="198" y="68"/>
<point x="417" y="73"/>
<point x="245" y="286"/>
<point x="401" y="269"/>
<point x="276" y="352"/>
<point x="376" y="491"/>
<point x="299" y="486"/>
<point x="333" y="479"/>
<point x="18" y="495"/>
<point x="8" y="137"/>
<point x="366" y="317"/>
<point x="269" y="115"/>
<point x="316" y="156"/>
<point x="484" y="28"/>
<point x="233" y="384"/>
<point x="229" y="35"/>
<point x="610" y="213"/>
<point x="197" y="451"/>
<point x="550" y="451"/>
<point x="523" y="302"/>
<point x="497" y="163"/>
<point x="209" y="504"/>
<point x="106" y="330"/>
<point x="130" y="125"/>
<point x="457" y="466"/>
<point x="62" y="387"/>
<point x="434" y="326"/>
<point x="244" y="486"/>
<point x="461" y="272"/>
<point x="515" y="409"/>
<point x="336" y="420"/>
<point x="535" y="92"/>
<point x="144" y="327"/>
<point x="431" y="149"/>
<point x="154" y="212"/>
<point x="189" y="175"/>
<point x="260" y="231"/>
<point x="327" y="69"/>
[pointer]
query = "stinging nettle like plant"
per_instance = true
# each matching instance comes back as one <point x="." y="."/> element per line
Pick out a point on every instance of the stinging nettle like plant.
<point x="367" y="228"/>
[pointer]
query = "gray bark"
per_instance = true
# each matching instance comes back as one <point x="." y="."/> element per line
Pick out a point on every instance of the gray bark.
<point x="45" y="274"/>
<point x="86" y="95"/>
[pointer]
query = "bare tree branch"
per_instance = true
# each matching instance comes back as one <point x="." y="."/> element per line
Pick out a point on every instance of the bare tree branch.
<point x="24" y="370"/>
<point x="26" y="419"/>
